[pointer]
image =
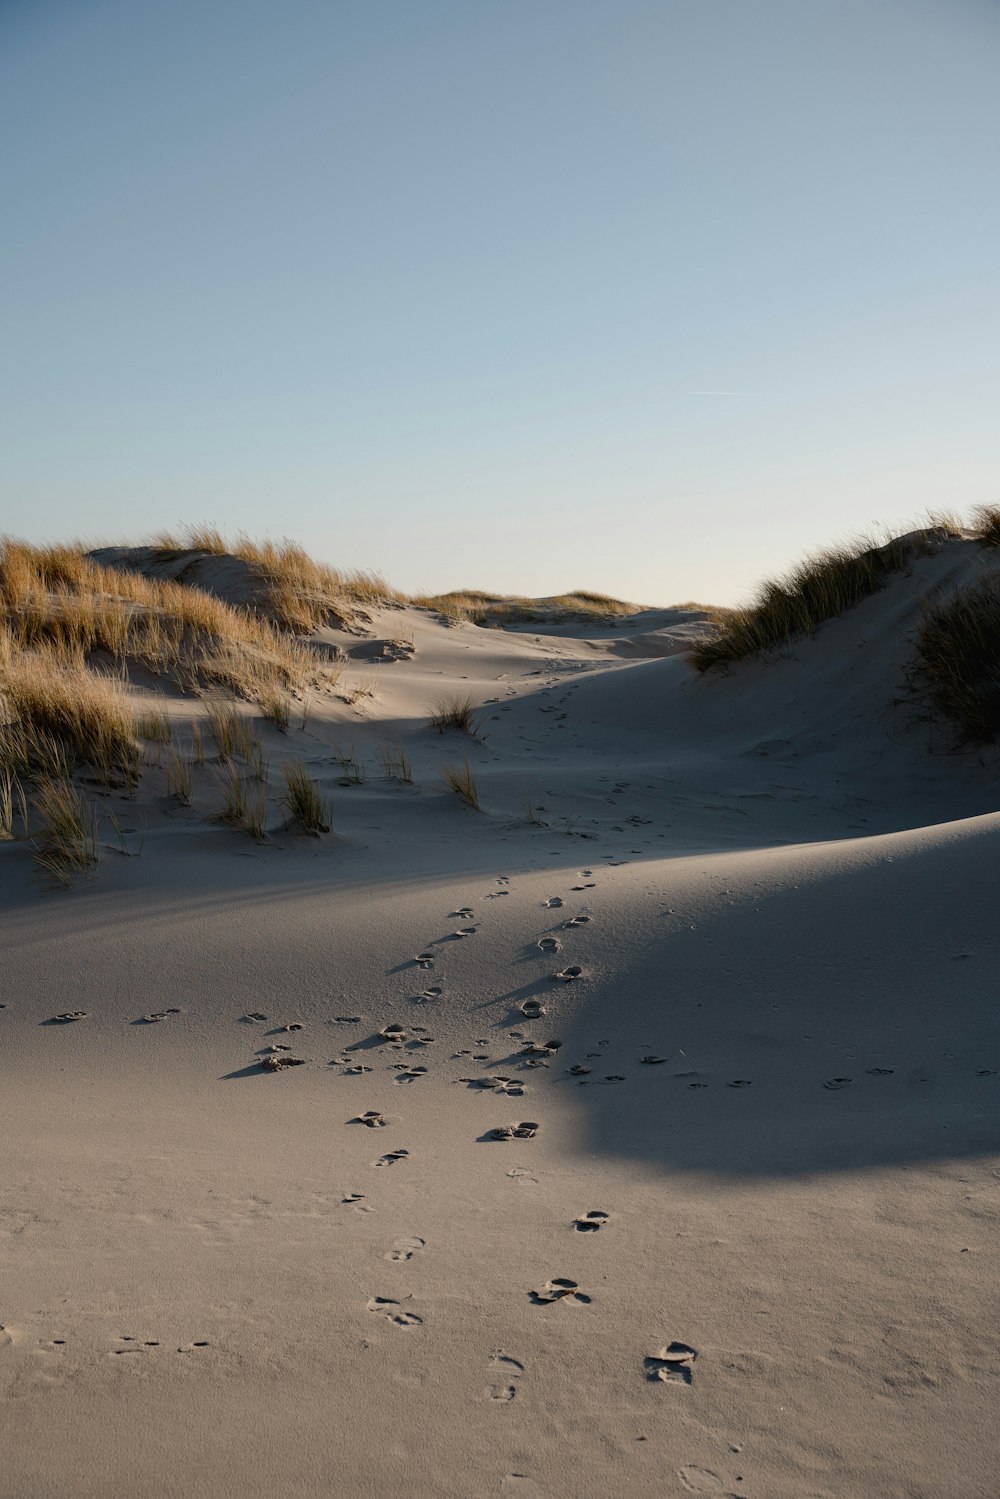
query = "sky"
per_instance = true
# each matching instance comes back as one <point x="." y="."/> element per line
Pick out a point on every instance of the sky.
<point x="527" y="295"/>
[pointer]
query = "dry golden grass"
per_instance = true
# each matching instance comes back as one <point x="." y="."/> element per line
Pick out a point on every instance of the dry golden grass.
<point x="303" y="801"/>
<point x="299" y="593"/>
<point x="496" y="609"/>
<point x="454" y="713"/>
<point x="958" y="660"/>
<point x="461" y="780"/>
<point x="818" y="589"/>
<point x="66" y="843"/>
<point x="987" y="525"/>
<point x="58" y="597"/>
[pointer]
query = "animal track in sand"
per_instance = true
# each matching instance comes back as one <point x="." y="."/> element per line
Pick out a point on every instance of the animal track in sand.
<point x="373" y="1119"/>
<point x="405" y="1249"/>
<point x="589" y="1223"/>
<point x="559" y="1289"/>
<point x="391" y="1158"/>
<point x="568" y="975"/>
<point x="671" y="1365"/>
<point x="393" y="1311"/>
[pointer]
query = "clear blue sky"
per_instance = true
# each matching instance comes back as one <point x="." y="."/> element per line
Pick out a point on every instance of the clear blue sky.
<point x="525" y="294"/>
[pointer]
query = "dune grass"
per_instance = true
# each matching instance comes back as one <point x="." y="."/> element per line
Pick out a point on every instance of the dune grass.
<point x="395" y="763"/>
<point x="243" y="805"/>
<point x="815" y="591"/>
<point x="303" y="801"/>
<point x="958" y="660"/>
<point x="66" y="843"/>
<point x="462" y="781"/>
<point x="59" y="598"/>
<point x="477" y="607"/>
<point x="987" y="525"/>
<point x="299" y="593"/>
<point x="232" y="732"/>
<point x="455" y="712"/>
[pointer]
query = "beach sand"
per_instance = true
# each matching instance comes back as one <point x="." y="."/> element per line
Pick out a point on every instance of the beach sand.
<point x="738" y="1235"/>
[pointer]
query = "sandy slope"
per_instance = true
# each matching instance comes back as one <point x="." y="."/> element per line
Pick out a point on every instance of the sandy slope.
<point x="785" y="890"/>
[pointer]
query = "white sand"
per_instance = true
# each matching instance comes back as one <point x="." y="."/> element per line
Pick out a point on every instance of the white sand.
<point x="785" y="887"/>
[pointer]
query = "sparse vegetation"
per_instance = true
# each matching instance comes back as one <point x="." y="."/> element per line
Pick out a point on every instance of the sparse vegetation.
<point x="958" y="660"/>
<point x="395" y="763"/>
<point x="533" y="813"/>
<point x="495" y="609"/>
<point x="154" y="726"/>
<point x="987" y="525"/>
<point x="454" y="713"/>
<point x="231" y="731"/>
<point x="179" y="779"/>
<point x="277" y="708"/>
<point x="303" y="801"/>
<point x="12" y="803"/>
<point x="66" y="843"/>
<point x="461" y="779"/>
<point x="242" y="805"/>
<point x="818" y="589"/>
<point x="352" y="772"/>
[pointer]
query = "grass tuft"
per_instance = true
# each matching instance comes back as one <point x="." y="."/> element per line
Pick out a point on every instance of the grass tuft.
<point x="67" y="842"/>
<point x="462" y="781"/>
<point x="987" y="525"/>
<point x="303" y="801"/>
<point x="819" y="589"/>
<point x="958" y="660"/>
<point x="454" y="713"/>
<point x="395" y="763"/>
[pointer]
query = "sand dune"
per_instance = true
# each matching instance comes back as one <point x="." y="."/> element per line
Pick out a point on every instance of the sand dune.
<point x="682" y="1175"/>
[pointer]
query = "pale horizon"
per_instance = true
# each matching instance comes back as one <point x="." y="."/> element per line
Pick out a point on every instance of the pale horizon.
<point x="649" y="299"/>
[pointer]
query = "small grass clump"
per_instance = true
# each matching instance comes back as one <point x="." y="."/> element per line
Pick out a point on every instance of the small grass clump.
<point x="303" y="801"/>
<point x="958" y="660"/>
<point x="987" y="525"/>
<point x="231" y="732"/>
<point x="12" y="803"/>
<point x="243" y="806"/>
<point x="462" y="781"/>
<point x="454" y="713"/>
<point x="277" y="709"/>
<point x="817" y="590"/>
<point x="179" y="774"/>
<point x="67" y="843"/>
<point x="395" y="763"/>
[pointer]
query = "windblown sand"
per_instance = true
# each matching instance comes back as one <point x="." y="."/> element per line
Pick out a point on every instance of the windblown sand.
<point x="760" y="1125"/>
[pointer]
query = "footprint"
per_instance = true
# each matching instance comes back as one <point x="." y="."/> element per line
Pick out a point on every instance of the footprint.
<point x="465" y="913"/>
<point x="553" y="903"/>
<point x="740" y="1082"/>
<point x="424" y="960"/>
<point x="373" y="1119"/>
<point x="652" y="1061"/>
<point x="576" y="921"/>
<point x="526" y="1130"/>
<point x="434" y="992"/>
<point x="834" y="1083"/>
<point x="567" y="975"/>
<point x="549" y="944"/>
<point x="532" y="1009"/>
<point x="701" y="1480"/>
<point x="354" y="1200"/>
<point x="293" y="1025"/>
<point x="67" y="1016"/>
<point x="406" y="1249"/>
<point x="393" y="1312"/>
<point x="156" y="1015"/>
<point x="410" y="1075"/>
<point x="393" y="1033"/>
<point x="278" y="1063"/>
<point x="347" y="1019"/>
<point x="391" y="1158"/>
<point x="190" y="1347"/>
<point x="590" y="885"/>
<point x="578" y="1070"/>
<point x="672" y="1364"/>
<point x="589" y="1223"/>
<point x="540" y="1048"/>
<point x="465" y="931"/>
<point x="356" y="1070"/>
<point x="559" y="1289"/>
<point x="881" y="1071"/>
